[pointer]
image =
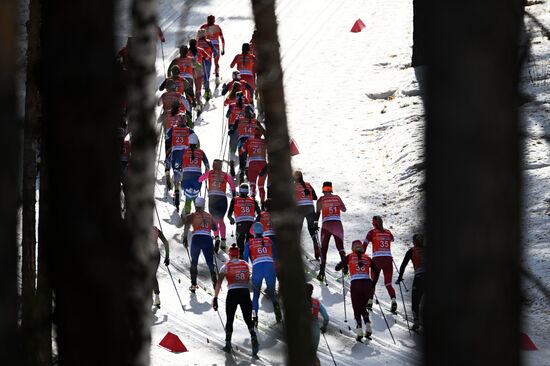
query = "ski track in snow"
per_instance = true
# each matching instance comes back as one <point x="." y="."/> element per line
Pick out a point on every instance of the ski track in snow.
<point x="353" y="107"/>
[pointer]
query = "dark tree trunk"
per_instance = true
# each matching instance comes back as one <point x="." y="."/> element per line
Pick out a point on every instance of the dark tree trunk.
<point x="9" y="190"/>
<point x="473" y="184"/>
<point x="91" y="267"/>
<point x="28" y="263"/>
<point x="141" y="177"/>
<point x="285" y="216"/>
<point x="420" y="32"/>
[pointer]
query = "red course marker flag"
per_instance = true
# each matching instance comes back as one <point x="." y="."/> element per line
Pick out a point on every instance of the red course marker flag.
<point x="358" y="26"/>
<point x="172" y="343"/>
<point x="293" y="148"/>
<point x="525" y="343"/>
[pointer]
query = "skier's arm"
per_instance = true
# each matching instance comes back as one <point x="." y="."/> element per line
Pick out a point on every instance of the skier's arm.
<point x="162" y="85"/>
<point x="234" y="62"/>
<point x="165" y="243"/>
<point x="230" y="210"/>
<point x="187" y="222"/>
<point x="342" y="207"/>
<point x="366" y="241"/>
<point x="223" y="40"/>
<point x="342" y="264"/>
<point x="406" y="259"/>
<point x="318" y="209"/>
<point x="225" y="88"/>
<point x="203" y="177"/>
<point x="218" y="286"/>
<point x="313" y="194"/>
<point x="205" y="161"/>
<point x="257" y="207"/>
<point x="325" y="316"/>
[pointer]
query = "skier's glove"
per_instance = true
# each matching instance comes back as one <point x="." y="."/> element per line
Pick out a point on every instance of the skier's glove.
<point x="167" y="261"/>
<point x="399" y="280"/>
<point x="185" y="243"/>
<point x="215" y="303"/>
<point x="232" y="221"/>
<point x="223" y="52"/>
<point x="316" y="225"/>
<point x="324" y="329"/>
<point x="234" y="194"/>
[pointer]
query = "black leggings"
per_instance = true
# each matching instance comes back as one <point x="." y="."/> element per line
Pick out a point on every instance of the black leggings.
<point x="238" y="297"/>
<point x="360" y="293"/>
<point x="308" y="212"/>
<point x="243" y="234"/>
<point x="417" y="293"/>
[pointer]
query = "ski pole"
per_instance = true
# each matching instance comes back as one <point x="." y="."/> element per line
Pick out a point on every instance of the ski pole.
<point x="216" y="264"/>
<point x="221" y="321"/>
<point x="331" y="355"/>
<point x="395" y="265"/>
<point x="404" y="308"/>
<point x="344" y="296"/>
<point x="384" y="316"/>
<point x="175" y="288"/>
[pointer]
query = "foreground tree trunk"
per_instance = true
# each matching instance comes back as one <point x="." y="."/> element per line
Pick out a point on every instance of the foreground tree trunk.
<point x="473" y="184"/>
<point x="28" y="263"/>
<point x="285" y="218"/>
<point x="141" y="177"/>
<point x="92" y="269"/>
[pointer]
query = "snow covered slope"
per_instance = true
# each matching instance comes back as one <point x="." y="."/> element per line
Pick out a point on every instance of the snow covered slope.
<point x="354" y="110"/>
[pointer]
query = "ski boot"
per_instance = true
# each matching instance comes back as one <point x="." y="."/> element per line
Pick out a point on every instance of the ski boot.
<point x="168" y="181"/>
<point x="255" y="344"/>
<point x="156" y="301"/>
<point x="368" y="330"/>
<point x="217" y="81"/>
<point x="216" y="244"/>
<point x="232" y="168"/>
<point x="345" y="270"/>
<point x="393" y="308"/>
<point x="177" y="200"/>
<point x="369" y="305"/>
<point x="321" y="275"/>
<point x="223" y="245"/>
<point x="255" y="321"/>
<point x="278" y="315"/>
<point x="359" y="334"/>
<point x="207" y="94"/>
<point x="193" y="288"/>
<point x="228" y="347"/>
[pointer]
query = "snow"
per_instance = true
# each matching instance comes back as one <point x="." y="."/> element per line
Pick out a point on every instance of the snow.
<point x="354" y="108"/>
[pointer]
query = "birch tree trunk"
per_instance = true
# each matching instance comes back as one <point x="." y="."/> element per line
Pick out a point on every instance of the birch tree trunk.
<point x="285" y="216"/>
<point x="9" y="190"/>
<point x="473" y="184"/>
<point x="141" y="176"/>
<point x="28" y="265"/>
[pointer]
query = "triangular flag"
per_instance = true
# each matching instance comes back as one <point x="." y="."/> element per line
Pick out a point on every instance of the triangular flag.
<point x="358" y="26"/>
<point x="172" y="343"/>
<point x="294" y="148"/>
<point x="525" y="343"/>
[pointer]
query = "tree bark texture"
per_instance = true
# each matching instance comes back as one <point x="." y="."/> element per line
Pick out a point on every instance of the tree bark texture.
<point x="28" y="263"/>
<point x="141" y="177"/>
<point x="473" y="184"/>
<point x="9" y="190"/>
<point x="91" y="266"/>
<point x="284" y="213"/>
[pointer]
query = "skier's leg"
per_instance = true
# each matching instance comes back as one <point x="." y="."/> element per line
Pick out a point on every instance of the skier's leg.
<point x="310" y="217"/>
<point x="325" y="238"/>
<point x="156" y="260"/>
<point x="338" y="232"/>
<point x="357" y="303"/>
<point x="367" y="290"/>
<point x="261" y="187"/>
<point x="374" y="274"/>
<point x="257" y="278"/>
<point x="195" y="252"/>
<point x="388" y="273"/>
<point x="231" y="303"/>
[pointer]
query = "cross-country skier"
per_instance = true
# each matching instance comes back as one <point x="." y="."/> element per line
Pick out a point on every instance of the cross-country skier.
<point x="416" y="253"/>
<point x="199" y="55"/>
<point x="305" y="195"/>
<point x="193" y="158"/>
<point x="215" y="34"/>
<point x="235" y="111"/>
<point x="157" y="234"/>
<point x="246" y="64"/>
<point x="260" y="252"/>
<point x="186" y="65"/>
<point x="244" y="86"/>
<point x="179" y="136"/>
<point x="361" y="286"/>
<point x="381" y="239"/>
<point x="330" y="206"/>
<point x="201" y="241"/>
<point x="176" y="120"/>
<point x="205" y="43"/>
<point x="316" y="308"/>
<point x="237" y="273"/>
<point x="265" y="219"/>
<point x="255" y="150"/>
<point x="168" y="99"/>
<point x="182" y="86"/>
<point x="235" y="91"/>
<point x="217" y="201"/>
<point x="245" y="128"/>
<point x="245" y="209"/>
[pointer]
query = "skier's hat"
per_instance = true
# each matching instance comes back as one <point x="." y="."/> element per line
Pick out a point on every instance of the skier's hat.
<point x="234" y="251"/>
<point x="199" y="202"/>
<point x="327" y="187"/>
<point x="258" y="228"/>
